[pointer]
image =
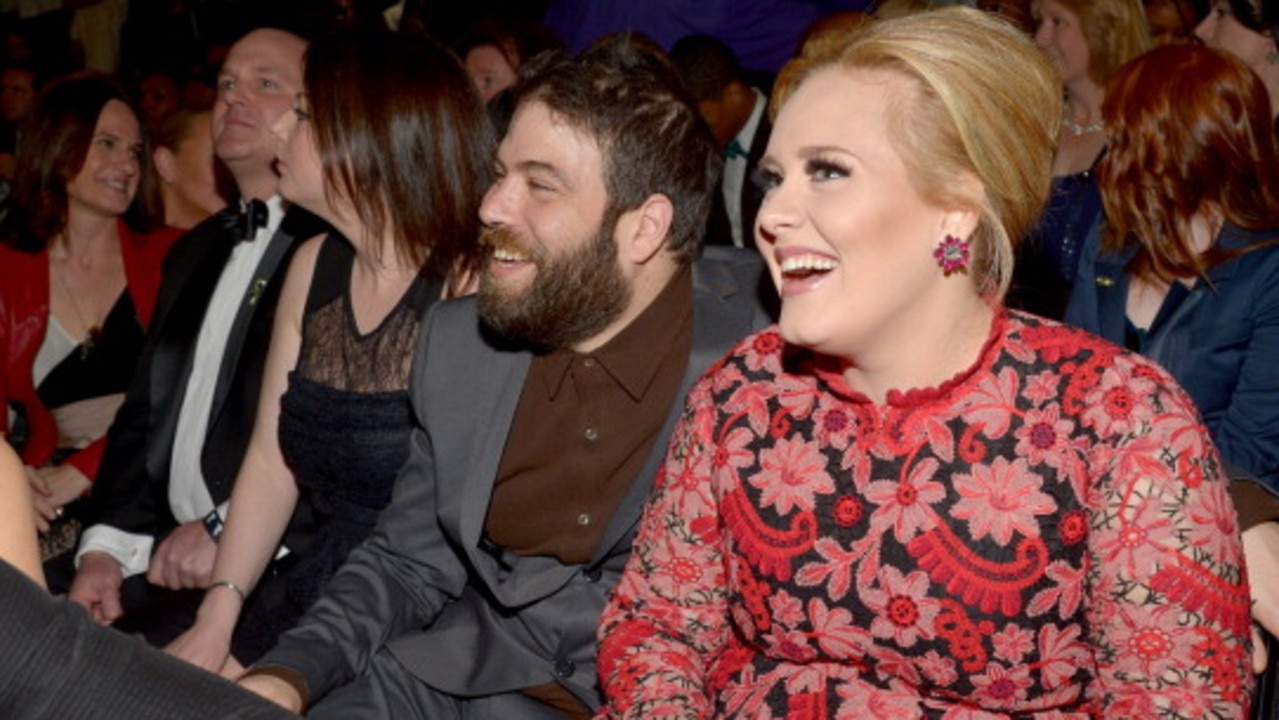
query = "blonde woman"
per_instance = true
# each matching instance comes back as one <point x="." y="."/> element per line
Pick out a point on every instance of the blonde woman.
<point x="904" y="500"/>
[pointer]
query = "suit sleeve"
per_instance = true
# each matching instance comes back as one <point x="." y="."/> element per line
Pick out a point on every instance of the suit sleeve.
<point x="122" y="496"/>
<point x="56" y="662"/>
<point x="397" y="581"/>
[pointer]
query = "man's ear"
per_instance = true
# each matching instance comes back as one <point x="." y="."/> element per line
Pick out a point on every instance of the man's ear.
<point x="642" y="232"/>
<point x="165" y="164"/>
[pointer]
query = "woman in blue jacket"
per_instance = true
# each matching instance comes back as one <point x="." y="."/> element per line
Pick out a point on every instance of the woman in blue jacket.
<point x="1185" y="269"/>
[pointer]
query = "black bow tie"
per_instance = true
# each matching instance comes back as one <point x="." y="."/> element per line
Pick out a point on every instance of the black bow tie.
<point x="243" y="225"/>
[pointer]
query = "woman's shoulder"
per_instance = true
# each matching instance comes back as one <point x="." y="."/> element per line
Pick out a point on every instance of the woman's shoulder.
<point x="1068" y="348"/>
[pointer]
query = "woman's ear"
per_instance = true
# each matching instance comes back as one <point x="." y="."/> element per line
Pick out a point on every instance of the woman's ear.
<point x="165" y="165"/>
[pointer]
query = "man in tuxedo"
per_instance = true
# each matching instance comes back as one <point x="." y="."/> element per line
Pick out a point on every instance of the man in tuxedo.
<point x="543" y="407"/>
<point x="736" y="115"/>
<point x="176" y="445"/>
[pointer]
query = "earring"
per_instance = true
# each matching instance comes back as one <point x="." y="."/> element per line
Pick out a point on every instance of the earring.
<point x="952" y="255"/>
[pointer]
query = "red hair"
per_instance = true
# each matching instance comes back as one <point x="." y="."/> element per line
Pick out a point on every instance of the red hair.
<point x="1190" y="134"/>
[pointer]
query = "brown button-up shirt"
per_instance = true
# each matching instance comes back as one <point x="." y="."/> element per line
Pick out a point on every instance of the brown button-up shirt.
<point x="584" y="426"/>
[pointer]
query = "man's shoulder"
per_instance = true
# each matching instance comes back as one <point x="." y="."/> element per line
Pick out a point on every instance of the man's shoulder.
<point x="724" y="258"/>
<point x="729" y="271"/>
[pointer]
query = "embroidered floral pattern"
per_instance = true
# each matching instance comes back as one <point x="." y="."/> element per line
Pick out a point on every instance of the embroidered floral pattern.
<point x="1046" y="535"/>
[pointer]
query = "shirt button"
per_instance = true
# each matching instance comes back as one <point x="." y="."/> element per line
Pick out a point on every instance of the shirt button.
<point x="565" y="668"/>
<point x="588" y="362"/>
<point x="584" y="519"/>
<point x="591" y="433"/>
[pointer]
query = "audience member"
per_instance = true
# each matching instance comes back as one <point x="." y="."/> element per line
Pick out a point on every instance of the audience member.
<point x="542" y="410"/>
<point x="18" y="89"/>
<point x="495" y="50"/>
<point x="734" y="111"/>
<point x="1171" y="21"/>
<point x="335" y="417"/>
<point x="185" y="166"/>
<point x="1086" y="40"/>
<point x="78" y="279"/>
<point x="1247" y="29"/>
<point x="177" y="443"/>
<point x="1186" y="267"/>
<point x="904" y="497"/>
<point x="158" y="98"/>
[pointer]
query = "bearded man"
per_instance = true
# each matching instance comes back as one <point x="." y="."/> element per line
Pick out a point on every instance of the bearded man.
<point x="544" y="407"/>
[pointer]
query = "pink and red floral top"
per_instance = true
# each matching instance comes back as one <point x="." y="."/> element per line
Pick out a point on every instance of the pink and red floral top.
<point x="1046" y="535"/>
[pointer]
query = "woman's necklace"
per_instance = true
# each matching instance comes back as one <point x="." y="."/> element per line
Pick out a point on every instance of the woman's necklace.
<point x="93" y="330"/>
<point x="1076" y="129"/>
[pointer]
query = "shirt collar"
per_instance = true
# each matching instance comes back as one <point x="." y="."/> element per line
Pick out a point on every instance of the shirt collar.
<point x="746" y="135"/>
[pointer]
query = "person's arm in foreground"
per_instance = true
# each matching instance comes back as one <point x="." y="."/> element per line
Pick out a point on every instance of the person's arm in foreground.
<point x="56" y="663"/>
<point x="17" y="531"/>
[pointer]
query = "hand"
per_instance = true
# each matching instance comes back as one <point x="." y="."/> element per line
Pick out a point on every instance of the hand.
<point x="52" y="487"/>
<point x="184" y="559"/>
<point x="1261" y="551"/>
<point x="274" y="689"/>
<point x="46" y="511"/>
<point x="208" y="647"/>
<point x="97" y="587"/>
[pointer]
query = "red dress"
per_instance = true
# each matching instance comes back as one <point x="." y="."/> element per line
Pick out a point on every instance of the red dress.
<point x="1046" y="535"/>
<point x="24" y="319"/>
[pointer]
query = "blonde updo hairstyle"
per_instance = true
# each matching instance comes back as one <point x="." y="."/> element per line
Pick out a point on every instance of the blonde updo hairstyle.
<point x="985" y="105"/>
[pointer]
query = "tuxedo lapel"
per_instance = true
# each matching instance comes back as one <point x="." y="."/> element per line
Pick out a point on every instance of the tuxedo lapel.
<point x="268" y="273"/>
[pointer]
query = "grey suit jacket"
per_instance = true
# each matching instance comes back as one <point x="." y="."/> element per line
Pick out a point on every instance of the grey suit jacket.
<point x="463" y="620"/>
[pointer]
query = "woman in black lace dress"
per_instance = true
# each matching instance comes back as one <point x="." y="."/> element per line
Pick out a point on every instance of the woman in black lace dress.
<point x="390" y="145"/>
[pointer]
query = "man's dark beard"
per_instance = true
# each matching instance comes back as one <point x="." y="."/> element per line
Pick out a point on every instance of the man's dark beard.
<point x="573" y="297"/>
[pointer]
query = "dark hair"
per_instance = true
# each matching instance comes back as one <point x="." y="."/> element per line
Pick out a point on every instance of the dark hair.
<point x="1261" y="16"/>
<point x="52" y="146"/>
<point x="176" y="128"/>
<point x="517" y="40"/>
<point x="706" y="64"/>
<point x="1190" y="131"/>
<point x="403" y="134"/>
<point x="623" y="92"/>
<point x="28" y="66"/>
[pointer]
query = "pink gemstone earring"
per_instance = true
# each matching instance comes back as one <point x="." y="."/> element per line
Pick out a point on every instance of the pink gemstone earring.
<point x="952" y="255"/>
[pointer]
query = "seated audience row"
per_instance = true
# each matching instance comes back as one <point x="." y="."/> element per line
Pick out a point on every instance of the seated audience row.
<point x="828" y="509"/>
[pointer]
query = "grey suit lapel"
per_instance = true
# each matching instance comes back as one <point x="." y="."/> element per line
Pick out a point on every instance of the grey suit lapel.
<point x="724" y="312"/>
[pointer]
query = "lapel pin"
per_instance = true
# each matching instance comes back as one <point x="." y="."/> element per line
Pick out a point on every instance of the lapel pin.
<point x="1105" y="281"/>
<point x="255" y="291"/>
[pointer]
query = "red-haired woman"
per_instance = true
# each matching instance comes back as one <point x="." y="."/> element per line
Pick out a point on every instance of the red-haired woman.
<point x="77" y="283"/>
<point x="1188" y="270"/>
